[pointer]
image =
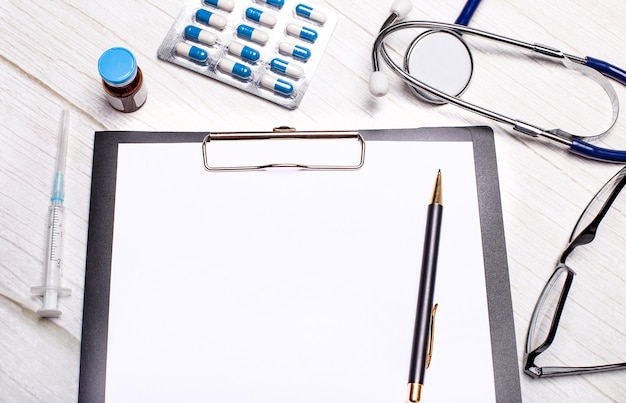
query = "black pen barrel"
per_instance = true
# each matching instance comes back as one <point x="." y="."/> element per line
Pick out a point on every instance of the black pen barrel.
<point x="426" y="291"/>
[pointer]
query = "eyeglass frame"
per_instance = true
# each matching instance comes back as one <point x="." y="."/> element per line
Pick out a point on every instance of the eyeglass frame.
<point x="586" y="236"/>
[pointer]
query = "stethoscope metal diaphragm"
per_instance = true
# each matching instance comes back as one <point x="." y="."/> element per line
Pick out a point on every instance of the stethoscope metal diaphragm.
<point x="440" y="59"/>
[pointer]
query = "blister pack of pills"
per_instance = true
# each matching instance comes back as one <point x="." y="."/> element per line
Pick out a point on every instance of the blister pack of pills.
<point x="269" y="48"/>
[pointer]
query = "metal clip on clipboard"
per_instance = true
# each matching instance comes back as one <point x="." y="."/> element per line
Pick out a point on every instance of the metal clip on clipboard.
<point x="329" y="150"/>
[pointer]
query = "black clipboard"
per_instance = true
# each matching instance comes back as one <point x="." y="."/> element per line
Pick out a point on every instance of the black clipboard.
<point x="93" y="367"/>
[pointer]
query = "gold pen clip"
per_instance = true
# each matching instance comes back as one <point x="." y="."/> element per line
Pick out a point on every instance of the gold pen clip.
<point x="432" y="336"/>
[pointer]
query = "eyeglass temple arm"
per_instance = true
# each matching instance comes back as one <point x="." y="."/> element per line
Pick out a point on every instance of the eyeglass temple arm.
<point x="558" y="371"/>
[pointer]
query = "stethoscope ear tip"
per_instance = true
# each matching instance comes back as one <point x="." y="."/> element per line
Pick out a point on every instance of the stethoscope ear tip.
<point x="379" y="85"/>
<point x="401" y="8"/>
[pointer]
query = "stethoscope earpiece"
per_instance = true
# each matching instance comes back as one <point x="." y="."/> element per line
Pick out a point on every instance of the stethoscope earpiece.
<point x="401" y="8"/>
<point x="379" y="85"/>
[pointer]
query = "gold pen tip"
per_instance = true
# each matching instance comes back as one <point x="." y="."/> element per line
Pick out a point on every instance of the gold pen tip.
<point x="437" y="194"/>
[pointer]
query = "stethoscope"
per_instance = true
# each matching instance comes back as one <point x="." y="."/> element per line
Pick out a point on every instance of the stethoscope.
<point x="446" y="81"/>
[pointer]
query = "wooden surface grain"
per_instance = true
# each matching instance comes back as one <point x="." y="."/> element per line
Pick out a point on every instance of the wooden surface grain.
<point x="48" y="56"/>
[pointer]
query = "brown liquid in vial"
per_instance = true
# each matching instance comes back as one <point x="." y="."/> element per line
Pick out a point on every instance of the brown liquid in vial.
<point x="128" y="98"/>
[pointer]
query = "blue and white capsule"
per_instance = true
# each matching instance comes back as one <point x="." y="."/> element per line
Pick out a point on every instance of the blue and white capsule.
<point x="252" y="34"/>
<point x="302" y="32"/>
<point x="262" y="17"/>
<point x="196" y="34"/>
<point x="226" y="5"/>
<point x="235" y="69"/>
<point x="283" y="67"/>
<point x="245" y="52"/>
<point x="191" y="52"/>
<point x="277" y="85"/>
<point x="310" y="13"/>
<point x="274" y="3"/>
<point x="296" y="51"/>
<point x="211" y="19"/>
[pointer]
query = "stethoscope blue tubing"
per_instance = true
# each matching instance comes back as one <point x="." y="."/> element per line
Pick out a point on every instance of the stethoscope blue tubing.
<point x="590" y="151"/>
<point x="576" y="145"/>
<point x="467" y="12"/>
<point x="607" y="69"/>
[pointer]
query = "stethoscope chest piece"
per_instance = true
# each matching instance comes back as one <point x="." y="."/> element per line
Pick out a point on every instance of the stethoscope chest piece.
<point x="440" y="59"/>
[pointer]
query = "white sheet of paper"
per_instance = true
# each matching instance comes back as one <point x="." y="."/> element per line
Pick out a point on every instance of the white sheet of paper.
<point x="292" y="286"/>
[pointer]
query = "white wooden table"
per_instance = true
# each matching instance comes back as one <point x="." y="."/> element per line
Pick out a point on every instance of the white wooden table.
<point x="48" y="60"/>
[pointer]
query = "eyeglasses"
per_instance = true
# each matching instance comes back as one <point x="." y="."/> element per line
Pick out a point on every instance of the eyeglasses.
<point x="608" y="249"/>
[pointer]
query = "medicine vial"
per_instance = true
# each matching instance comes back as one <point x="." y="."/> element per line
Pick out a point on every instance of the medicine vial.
<point x="122" y="80"/>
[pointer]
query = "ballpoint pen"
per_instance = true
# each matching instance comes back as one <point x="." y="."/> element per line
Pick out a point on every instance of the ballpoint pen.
<point x="51" y="289"/>
<point x="425" y="315"/>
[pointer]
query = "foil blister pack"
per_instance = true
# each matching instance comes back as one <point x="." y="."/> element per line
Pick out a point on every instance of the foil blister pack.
<point x="269" y="48"/>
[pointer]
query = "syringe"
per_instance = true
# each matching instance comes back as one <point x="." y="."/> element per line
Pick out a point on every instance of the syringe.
<point x="52" y="261"/>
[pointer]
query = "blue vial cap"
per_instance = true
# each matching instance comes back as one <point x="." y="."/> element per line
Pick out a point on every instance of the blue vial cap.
<point x="117" y="66"/>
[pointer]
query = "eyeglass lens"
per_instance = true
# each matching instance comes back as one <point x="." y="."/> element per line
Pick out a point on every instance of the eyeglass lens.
<point x="546" y="311"/>
<point x="598" y="202"/>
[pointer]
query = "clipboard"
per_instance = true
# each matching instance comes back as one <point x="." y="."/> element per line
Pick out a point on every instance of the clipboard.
<point x="293" y="329"/>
